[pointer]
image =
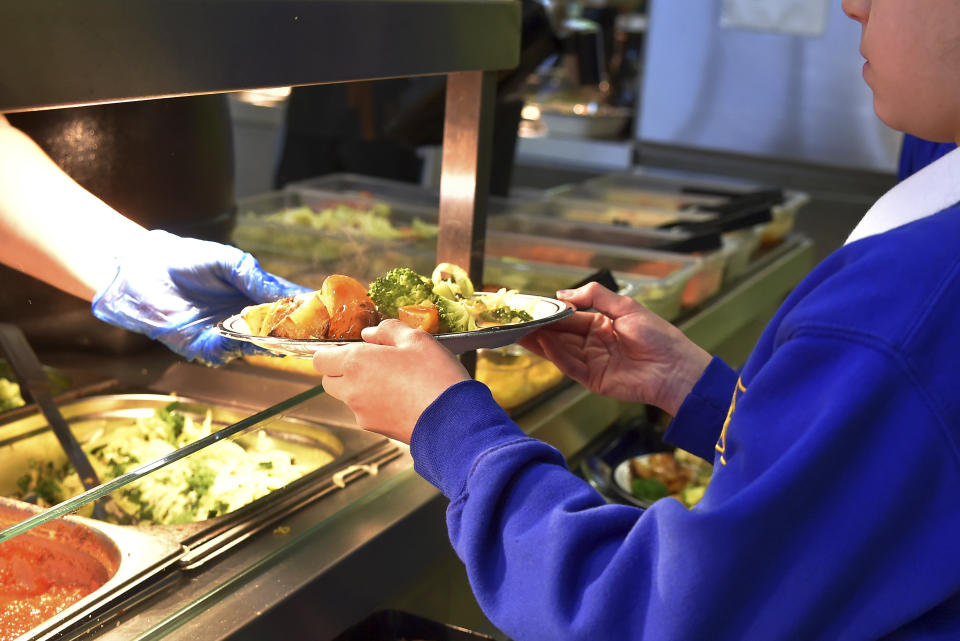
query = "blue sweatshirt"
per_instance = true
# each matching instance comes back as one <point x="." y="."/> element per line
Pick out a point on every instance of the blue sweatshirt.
<point x="917" y="153"/>
<point x="834" y="509"/>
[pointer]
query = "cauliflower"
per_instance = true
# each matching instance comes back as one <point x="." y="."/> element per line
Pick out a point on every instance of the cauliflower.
<point x="454" y="316"/>
<point x="451" y="281"/>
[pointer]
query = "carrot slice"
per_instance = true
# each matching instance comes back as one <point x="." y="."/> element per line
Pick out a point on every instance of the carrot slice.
<point x="424" y="316"/>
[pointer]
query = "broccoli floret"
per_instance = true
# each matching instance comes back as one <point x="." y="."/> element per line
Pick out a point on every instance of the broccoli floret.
<point x="400" y="287"/>
<point x="505" y="315"/>
<point x="454" y="316"/>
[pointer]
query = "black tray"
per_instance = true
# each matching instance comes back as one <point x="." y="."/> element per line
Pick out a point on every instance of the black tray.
<point x="394" y="625"/>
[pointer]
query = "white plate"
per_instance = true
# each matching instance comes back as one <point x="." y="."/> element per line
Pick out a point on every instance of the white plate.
<point x="544" y="311"/>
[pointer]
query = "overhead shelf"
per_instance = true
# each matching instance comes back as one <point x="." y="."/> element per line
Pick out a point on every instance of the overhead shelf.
<point x="63" y="52"/>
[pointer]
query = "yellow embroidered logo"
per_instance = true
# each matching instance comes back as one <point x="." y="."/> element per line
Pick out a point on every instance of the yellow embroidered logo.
<point x="721" y="445"/>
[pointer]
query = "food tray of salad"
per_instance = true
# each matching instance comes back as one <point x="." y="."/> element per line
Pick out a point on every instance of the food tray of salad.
<point x="10" y="396"/>
<point x="227" y="482"/>
<point x="340" y="185"/>
<point x="326" y="229"/>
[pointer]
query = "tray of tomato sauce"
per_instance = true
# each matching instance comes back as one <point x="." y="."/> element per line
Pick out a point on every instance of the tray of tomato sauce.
<point x="52" y="575"/>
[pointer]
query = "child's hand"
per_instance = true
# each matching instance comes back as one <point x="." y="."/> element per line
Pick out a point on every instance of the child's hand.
<point x="389" y="380"/>
<point x="621" y="349"/>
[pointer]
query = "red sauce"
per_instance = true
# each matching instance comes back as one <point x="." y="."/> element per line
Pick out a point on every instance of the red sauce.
<point x="38" y="579"/>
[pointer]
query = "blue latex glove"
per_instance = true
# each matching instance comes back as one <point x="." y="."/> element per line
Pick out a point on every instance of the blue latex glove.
<point x="175" y="290"/>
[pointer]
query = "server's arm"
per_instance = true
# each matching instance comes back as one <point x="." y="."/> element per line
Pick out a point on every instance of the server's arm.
<point x="172" y="289"/>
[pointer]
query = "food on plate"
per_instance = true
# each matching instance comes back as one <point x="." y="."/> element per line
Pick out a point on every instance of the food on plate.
<point x="411" y="297"/>
<point x="425" y="316"/>
<point x="351" y="309"/>
<point x="213" y="481"/>
<point x="678" y="474"/>
<point x="10" y="397"/>
<point x="342" y="307"/>
<point x="339" y="309"/>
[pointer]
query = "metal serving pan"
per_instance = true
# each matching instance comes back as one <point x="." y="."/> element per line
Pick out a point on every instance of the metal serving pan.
<point x="311" y="443"/>
<point x="129" y="559"/>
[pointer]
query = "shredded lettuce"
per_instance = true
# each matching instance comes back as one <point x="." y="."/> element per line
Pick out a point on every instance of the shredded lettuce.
<point x="214" y="481"/>
<point x="10" y="397"/>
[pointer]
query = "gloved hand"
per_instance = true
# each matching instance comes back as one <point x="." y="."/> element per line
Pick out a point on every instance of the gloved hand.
<point x="175" y="290"/>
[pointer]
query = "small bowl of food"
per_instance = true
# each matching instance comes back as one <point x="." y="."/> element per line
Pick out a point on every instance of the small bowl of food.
<point x="644" y="479"/>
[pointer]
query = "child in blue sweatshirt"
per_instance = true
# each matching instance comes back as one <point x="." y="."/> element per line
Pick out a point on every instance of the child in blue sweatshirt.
<point x="834" y="509"/>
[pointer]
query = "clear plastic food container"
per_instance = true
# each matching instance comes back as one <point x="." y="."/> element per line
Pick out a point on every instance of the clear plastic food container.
<point x="744" y="244"/>
<point x="629" y="190"/>
<point x="610" y="213"/>
<point x="369" y="187"/>
<point x="732" y="249"/>
<point x="678" y="189"/>
<point x="662" y="295"/>
<point x="705" y="280"/>
<point x="687" y="192"/>
<point x="784" y="218"/>
<point x="536" y="220"/>
<point x="344" y="234"/>
<point x="405" y="195"/>
<point x="515" y="375"/>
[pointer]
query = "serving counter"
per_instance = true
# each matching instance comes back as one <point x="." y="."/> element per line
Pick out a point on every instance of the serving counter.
<point x="377" y="538"/>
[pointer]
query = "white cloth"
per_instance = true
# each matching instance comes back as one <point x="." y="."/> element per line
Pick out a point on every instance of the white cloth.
<point x="932" y="189"/>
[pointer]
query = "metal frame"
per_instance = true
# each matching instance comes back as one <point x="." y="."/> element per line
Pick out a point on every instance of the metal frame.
<point x="465" y="169"/>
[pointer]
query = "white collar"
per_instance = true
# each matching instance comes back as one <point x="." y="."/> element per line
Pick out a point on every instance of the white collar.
<point x="932" y="189"/>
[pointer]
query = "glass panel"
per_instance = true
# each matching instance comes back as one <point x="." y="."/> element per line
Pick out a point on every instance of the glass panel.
<point x="354" y="235"/>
